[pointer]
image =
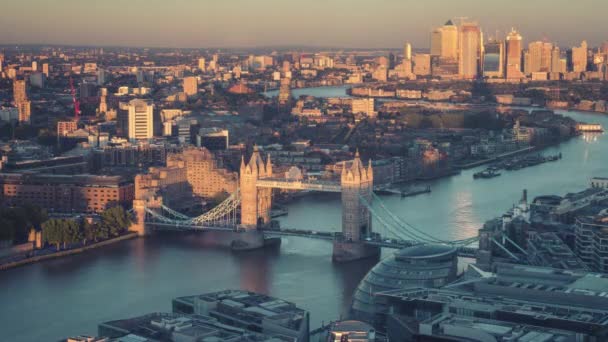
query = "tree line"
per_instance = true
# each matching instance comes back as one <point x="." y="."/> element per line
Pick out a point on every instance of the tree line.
<point x="16" y="223"/>
<point x="62" y="232"/>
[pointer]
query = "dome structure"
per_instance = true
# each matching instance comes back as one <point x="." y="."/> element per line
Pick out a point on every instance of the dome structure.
<point x="417" y="266"/>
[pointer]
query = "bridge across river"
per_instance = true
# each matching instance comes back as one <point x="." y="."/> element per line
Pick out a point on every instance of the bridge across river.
<point x="244" y="218"/>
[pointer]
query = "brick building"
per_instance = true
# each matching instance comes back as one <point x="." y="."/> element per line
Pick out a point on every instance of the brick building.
<point x="65" y="193"/>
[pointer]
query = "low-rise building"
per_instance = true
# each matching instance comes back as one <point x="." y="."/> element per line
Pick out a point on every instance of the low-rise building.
<point x="250" y="311"/>
<point x="65" y="193"/>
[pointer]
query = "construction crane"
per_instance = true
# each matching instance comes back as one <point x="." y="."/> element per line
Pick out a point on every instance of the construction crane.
<point x="75" y="100"/>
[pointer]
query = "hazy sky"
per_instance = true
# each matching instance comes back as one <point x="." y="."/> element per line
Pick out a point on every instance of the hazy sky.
<point x="336" y="23"/>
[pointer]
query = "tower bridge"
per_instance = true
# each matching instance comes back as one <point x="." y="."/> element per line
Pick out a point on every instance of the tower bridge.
<point x="244" y="217"/>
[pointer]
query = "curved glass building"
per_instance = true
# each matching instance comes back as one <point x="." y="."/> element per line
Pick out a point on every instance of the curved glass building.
<point x="418" y="266"/>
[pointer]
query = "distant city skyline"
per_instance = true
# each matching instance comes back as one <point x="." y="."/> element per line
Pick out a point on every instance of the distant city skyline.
<point x="318" y="23"/>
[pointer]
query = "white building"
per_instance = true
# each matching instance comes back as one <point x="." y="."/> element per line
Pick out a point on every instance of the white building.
<point x="141" y="119"/>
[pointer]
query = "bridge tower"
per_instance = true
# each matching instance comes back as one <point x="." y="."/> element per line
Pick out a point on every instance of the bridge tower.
<point x="356" y="182"/>
<point x="255" y="202"/>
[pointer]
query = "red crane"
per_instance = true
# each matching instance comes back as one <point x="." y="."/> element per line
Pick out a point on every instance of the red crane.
<point x="75" y="100"/>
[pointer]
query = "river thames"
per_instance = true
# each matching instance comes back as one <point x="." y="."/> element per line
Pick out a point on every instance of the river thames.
<point x="70" y="296"/>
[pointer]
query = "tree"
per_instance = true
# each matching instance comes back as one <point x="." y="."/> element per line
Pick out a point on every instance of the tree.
<point x="115" y="221"/>
<point x="89" y="232"/>
<point x="51" y="232"/>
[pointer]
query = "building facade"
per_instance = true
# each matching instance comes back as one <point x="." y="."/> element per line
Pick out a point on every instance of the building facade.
<point x="65" y="193"/>
<point x="141" y="120"/>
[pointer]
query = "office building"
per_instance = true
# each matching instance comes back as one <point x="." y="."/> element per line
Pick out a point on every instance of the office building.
<point x="469" y="49"/>
<point x="37" y="79"/>
<point x="418" y="266"/>
<point x="250" y="311"/>
<point x="285" y="93"/>
<point x="493" y="59"/>
<point x="19" y="91"/>
<point x="422" y="64"/>
<point x="65" y="193"/>
<point x="578" y="58"/>
<point x="66" y="127"/>
<point x="444" y="41"/>
<point x="363" y="106"/>
<point x="213" y="139"/>
<point x="101" y="77"/>
<point x="407" y="51"/>
<point x="591" y="243"/>
<point x="201" y="65"/>
<point x="513" y="55"/>
<point x="556" y="60"/>
<point x="140" y="119"/>
<point x="351" y="331"/>
<point x="45" y="69"/>
<point x="517" y="303"/>
<point x="190" y="85"/>
<point x="25" y="111"/>
<point x="168" y="327"/>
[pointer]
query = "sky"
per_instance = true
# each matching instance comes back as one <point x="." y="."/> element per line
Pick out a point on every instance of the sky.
<point x="262" y="23"/>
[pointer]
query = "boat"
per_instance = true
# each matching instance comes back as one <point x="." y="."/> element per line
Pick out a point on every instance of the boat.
<point x="415" y="192"/>
<point x="487" y="173"/>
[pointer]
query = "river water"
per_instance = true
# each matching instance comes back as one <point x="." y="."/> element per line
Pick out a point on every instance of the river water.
<point x="69" y="296"/>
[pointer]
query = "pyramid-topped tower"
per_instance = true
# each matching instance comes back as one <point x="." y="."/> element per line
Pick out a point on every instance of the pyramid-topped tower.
<point x="255" y="202"/>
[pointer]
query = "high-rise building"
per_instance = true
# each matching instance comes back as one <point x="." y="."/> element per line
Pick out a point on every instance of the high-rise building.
<point x="436" y="42"/>
<point x="535" y="50"/>
<point x="101" y="77"/>
<point x="25" y="111"/>
<point x="555" y="59"/>
<point x="449" y="40"/>
<point x="422" y="64"/>
<point x="493" y="59"/>
<point x="21" y="100"/>
<point x="407" y="51"/>
<point x="45" y="69"/>
<point x="190" y="85"/>
<point x="469" y="43"/>
<point x="285" y="93"/>
<point x="201" y="64"/>
<point x="545" y="57"/>
<point x="365" y="106"/>
<point x="444" y="41"/>
<point x="578" y="58"/>
<point x="513" y="67"/>
<point x="19" y="91"/>
<point x="141" y="119"/>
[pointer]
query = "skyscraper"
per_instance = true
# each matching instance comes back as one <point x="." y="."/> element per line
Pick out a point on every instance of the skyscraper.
<point x="19" y="91"/>
<point x="21" y="100"/>
<point x="493" y="59"/>
<point x="190" y="85"/>
<point x="444" y="41"/>
<point x="535" y="50"/>
<point x="285" y="93"/>
<point x="436" y="42"/>
<point x="201" y="64"/>
<point x="407" y="51"/>
<point x="545" y="57"/>
<point x="449" y="40"/>
<point x="469" y="50"/>
<point x="141" y="119"/>
<point x="513" y="67"/>
<point x="578" y="58"/>
<point x="555" y="59"/>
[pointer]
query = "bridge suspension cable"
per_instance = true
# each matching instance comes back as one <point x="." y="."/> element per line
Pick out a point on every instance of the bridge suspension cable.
<point x="397" y="233"/>
<point x="417" y="233"/>
<point x="223" y="214"/>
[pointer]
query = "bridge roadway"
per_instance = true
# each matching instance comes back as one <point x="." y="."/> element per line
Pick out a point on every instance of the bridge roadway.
<point x="463" y="251"/>
<point x="307" y="184"/>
